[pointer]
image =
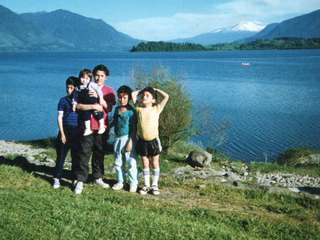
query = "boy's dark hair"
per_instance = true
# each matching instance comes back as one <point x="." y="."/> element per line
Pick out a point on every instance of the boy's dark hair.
<point x="85" y="72"/>
<point x="150" y="90"/>
<point x="125" y="89"/>
<point x="72" y="81"/>
<point x="101" y="67"/>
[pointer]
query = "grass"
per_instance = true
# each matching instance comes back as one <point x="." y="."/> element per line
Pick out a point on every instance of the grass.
<point x="311" y="171"/>
<point x="31" y="209"/>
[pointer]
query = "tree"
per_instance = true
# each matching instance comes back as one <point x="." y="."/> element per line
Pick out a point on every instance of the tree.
<point x="178" y="119"/>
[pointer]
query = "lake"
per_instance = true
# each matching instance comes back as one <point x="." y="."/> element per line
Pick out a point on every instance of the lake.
<point x="272" y="104"/>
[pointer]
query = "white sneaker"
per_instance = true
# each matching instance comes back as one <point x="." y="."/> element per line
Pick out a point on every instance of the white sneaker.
<point x="101" y="183"/>
<point x="155" y="190"/>
<point x="133" y="188"/>
<point x="117" y="186"/>
<point x="87" y="132"/>
<point x="144" y="190"/>
<point x="56" y="183"/>
<point x="79" y="187"/>
<point x="74" y="183"/>
<point x="101" y="130"/>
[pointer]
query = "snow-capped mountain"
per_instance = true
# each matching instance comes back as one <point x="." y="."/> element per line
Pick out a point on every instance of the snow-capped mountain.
<point x="229" y="34"/>
<point x="242" y="26"/>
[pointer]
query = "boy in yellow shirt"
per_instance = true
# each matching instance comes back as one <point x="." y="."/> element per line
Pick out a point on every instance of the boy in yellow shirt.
<point x="149" y="146"/>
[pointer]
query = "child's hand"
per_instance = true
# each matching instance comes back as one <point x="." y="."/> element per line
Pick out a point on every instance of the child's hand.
<point x="74" y="108"/>
<point x="97" y="107"/>
<point x="102" y="102"/>
<point x="93" y="94"/>
<point x="129" y="145"/>
<point x="63" y="138"/>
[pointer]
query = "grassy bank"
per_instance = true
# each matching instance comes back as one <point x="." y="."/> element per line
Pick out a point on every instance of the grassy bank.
<point x="31" y="209"/>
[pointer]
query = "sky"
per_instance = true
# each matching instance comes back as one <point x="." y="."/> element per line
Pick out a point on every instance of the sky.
<point x="156" y="20"/>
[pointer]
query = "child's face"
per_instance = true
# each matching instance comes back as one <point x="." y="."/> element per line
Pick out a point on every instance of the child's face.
<point x="147" y="99"/>
<point x="70" y="89"/>
<point x="123" y="99"/>
<point x="85" y="79"/>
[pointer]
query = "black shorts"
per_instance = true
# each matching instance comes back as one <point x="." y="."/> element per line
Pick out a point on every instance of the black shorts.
<point x="149" y="148"/>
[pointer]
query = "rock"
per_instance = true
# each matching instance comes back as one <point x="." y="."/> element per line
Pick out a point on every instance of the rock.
<point x="199" y="159"/>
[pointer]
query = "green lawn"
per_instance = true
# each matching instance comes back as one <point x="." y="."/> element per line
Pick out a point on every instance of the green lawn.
<point x="31" y="209"/>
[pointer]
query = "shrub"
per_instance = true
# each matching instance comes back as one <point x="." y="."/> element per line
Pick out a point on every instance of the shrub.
<point x="176" y="120"/>
<point x="303" y="156"/>
<point x="180" y="119"/>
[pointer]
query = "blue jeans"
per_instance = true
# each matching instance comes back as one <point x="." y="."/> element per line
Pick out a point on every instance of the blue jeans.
<point x="121" y="157"/>
<point x="71" y="134"/>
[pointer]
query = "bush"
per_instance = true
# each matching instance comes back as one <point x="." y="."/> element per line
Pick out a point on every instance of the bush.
<point x="176" y="120"/>
<point x="304" y="156"/>
<point x="179" y="120"/>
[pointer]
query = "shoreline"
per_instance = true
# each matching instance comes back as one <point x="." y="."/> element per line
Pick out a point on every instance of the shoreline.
<point x="293" y="184"/>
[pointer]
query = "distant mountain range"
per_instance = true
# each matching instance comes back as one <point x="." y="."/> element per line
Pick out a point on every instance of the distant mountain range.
<point x="59" y="31"/>
<point x="305" y="26"/>
<point x="62" y="30"/>
<point x="222" y="35"/>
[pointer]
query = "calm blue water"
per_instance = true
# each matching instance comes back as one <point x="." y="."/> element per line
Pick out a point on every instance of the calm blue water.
<point x="272" y="105"/>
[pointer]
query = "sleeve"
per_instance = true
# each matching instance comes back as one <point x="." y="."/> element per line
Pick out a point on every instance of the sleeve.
<point x="110" y="96"/>
<point x="159" y="108"/>
<point x="60" y="105"/>
<point x="97" y="89"/>
<point x="133" y="118"/>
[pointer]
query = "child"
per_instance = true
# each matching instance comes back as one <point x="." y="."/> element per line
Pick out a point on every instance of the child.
<point x="125" y="123"/>
<point x="68" y="126"/>
<point x="81" y="95"/>
<point x="149" y="146"/>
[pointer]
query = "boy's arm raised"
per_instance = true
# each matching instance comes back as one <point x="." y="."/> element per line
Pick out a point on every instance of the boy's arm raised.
<point x="134" y="97"/>
<point x="165" y="97"/>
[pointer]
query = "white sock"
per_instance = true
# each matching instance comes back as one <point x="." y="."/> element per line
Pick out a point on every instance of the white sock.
<point x="87" y="125"/>
<point x="155" y="177"/>
<point x="101" y="123"/>
<point x="146" y="177"/>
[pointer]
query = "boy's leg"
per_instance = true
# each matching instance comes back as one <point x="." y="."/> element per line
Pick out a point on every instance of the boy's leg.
<point x="74" y="146"/>
<point x="132" y="161"/>
<point x="119" y="162"/>
<point x="61" y="150"/>
<point x="155" y="170"/>
<point x="82" y="169"/>
<point x="97" y="156"/>
<point x="146" y="170"/>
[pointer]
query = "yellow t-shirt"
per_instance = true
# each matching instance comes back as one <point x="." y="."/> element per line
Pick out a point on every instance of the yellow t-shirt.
<point x="148" y="122"/>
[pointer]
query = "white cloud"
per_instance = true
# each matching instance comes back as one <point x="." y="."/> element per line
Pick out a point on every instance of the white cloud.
<point x="180" y="25"/>
<point x="184" y="25"/>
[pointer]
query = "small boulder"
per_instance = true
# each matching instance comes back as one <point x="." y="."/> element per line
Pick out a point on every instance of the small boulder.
<point x="199" y="159"/>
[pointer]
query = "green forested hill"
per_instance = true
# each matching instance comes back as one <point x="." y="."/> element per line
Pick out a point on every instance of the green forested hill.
<point x="277" y="43"/>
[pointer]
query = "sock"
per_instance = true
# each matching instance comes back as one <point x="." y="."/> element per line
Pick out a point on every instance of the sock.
<point x="155" y="177"/>
<point x="146" y="177"/>
<point x="101" y="123"/>
<point x="87" y="125"/>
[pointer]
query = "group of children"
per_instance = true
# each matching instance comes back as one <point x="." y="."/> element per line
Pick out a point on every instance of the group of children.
<point x="136" y="128"/>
